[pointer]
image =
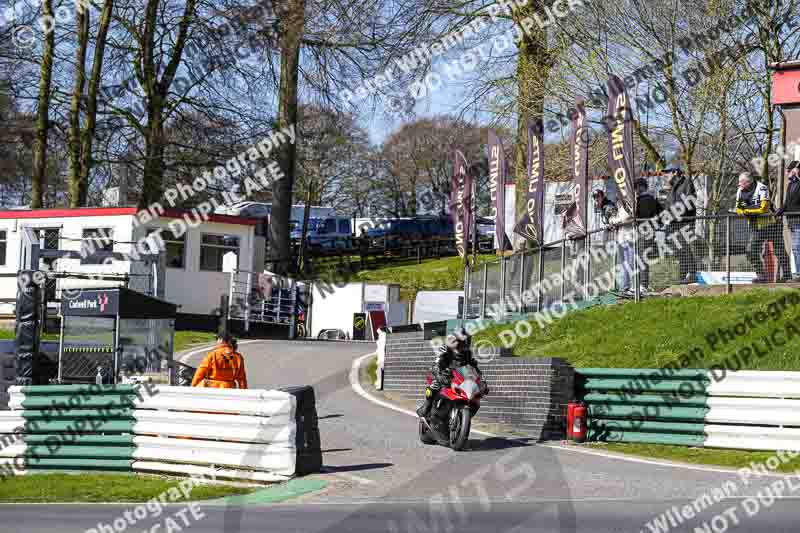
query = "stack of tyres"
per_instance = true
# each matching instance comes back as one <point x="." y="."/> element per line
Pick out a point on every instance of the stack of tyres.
<point x="309" y="448"/>
<point x="27" y="330"/>
<point x="8" y="376"/>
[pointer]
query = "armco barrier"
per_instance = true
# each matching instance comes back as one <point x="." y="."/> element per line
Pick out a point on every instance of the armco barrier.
<point x="711" y="408"/>
<point x="529" y="393"/>
<point x="260" y="435"/>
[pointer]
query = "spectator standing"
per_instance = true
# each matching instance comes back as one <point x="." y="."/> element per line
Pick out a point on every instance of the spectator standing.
<point x="603" y="206"/>
<point x="647" y="207"/>
<point x="752" y="201"/>
<point x="681" y="190"/>
<point x="622" y="222"/>
<point x="792" y="206"/>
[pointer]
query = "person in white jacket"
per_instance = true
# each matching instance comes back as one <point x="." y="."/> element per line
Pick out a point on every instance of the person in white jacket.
<point x="622" y="222"/>
<point x="381" y="350"/>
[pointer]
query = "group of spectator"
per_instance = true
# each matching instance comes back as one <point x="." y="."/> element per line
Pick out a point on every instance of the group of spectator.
<point x="752" y="201"/>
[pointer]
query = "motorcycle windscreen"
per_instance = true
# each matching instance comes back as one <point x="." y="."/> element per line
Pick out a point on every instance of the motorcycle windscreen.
<point x="469" y="385"/>
<point x="467" y="373"/>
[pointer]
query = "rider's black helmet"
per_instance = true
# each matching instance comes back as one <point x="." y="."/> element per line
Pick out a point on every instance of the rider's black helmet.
<point x="458" y="340"/>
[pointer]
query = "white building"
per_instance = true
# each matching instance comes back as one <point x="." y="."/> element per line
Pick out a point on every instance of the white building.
<point x="193" y="277"/>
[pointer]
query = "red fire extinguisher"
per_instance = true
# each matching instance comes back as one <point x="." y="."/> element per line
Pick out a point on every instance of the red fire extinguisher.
<point x="577" y="417"/>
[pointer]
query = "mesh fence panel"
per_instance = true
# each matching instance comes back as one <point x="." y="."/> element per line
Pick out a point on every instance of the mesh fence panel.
<point x="661" y="256"/>
<point x="602" y="257"/>
<point x="513" y="280"/>
<point x="575" y="270"/>
<point x="550" y="286"/>
<point x="475" y="292"/>
<point x="530" y="298"/>
<point x="493" y="287"/>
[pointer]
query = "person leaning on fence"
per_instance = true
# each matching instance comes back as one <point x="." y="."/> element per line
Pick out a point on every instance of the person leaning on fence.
<point x="792" y="206"/>
<point x="752" y="201"/>
<point x="223" y="367"/>
<point x="682" y="191"/>
<point x="603" y="207"/>
<point x="622" y="223"/>
<point x="647" y="207"/>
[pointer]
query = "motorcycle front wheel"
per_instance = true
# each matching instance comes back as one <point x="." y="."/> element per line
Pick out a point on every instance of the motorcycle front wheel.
<point x="425" y="435"/>
<point x="459" y="428"/>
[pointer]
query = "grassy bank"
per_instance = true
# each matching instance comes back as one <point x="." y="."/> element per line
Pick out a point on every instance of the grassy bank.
<point x="431" y="274"/>
<point x="658" y="331"/>
<point x="700" y="456"/>
<point x="103" y="488"/>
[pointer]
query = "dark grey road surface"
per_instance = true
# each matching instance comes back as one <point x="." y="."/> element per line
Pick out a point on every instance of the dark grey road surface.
<point x="590" y="517"/>
<point x="378" y="472"/>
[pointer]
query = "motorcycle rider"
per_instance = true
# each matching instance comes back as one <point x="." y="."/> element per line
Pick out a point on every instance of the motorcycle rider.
<point x="453" y="354"/>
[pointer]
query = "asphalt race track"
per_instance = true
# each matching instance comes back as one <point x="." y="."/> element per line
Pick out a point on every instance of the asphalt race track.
<point x="382" y="479"/>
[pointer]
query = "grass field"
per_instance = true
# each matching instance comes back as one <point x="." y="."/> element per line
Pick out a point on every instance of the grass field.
<point x="658" y="331"/>
<point x="59" y="487"/>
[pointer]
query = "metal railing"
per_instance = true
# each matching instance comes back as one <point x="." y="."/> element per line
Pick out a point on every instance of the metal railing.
<point x="636" y="259"/>
<point x="262" y="298"/>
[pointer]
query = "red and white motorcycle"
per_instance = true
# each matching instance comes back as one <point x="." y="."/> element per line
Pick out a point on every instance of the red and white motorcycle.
<point x="450" y="417"/>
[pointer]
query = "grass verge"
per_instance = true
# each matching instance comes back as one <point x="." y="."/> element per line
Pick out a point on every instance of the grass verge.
<point x="186" y="339"/>
<point x="372" y="369"/>
<point x="697" y="456"/>
<point x="183" y="339"/>
<point x="655" y="332"/>
<point x="108" y="488"/>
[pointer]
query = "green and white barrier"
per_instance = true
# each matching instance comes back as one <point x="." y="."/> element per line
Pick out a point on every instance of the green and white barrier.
<point x="693" y="407"/>
<point x="265" y="435"/>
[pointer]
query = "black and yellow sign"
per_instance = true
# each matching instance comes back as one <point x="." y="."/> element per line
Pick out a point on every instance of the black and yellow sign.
<point x="359" y="326"/>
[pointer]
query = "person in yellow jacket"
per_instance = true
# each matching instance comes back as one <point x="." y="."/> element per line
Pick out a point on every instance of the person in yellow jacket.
<point x="223" y="367"/>
<point x="753" y="202"/>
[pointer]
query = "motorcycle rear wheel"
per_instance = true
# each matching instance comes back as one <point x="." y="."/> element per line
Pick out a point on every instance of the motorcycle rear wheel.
<point x="459" y="431"/>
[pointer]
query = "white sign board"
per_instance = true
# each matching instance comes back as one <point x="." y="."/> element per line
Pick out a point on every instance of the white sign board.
<point x="229" y="262"/>
<point x="721" y="278"/>
<point x="374" y="306"/>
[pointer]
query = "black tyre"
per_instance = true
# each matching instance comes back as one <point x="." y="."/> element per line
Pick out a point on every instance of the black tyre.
<point x="459" y="428"/>
<point x="425" y="436"/>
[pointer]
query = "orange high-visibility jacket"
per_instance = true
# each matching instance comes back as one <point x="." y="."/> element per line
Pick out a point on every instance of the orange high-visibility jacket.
<point x="222" y="369"/>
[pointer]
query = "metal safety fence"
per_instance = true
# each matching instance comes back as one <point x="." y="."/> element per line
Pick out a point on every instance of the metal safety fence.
<point x="716" y="408"/>
<point x="265" y="298"/>
<point x="637" y="259"/>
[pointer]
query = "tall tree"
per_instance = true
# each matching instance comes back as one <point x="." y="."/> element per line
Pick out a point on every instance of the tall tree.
<point x="156" y="88"/>
<point x="293" y="20"/>
<point x="39" y="178"/>
<point x="81" y="139"/>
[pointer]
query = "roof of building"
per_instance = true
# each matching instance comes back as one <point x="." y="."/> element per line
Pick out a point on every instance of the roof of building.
<point x="116" y="211"/>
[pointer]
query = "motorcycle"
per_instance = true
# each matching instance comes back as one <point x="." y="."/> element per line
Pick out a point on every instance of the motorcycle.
<point x="449" y="420"/>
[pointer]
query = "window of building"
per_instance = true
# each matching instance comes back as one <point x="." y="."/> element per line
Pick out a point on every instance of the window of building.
<point x="97" y="244"/>
<point x="175" y="248"/>
<point x="214" y="247"/>
<point x="3" y="246"/>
